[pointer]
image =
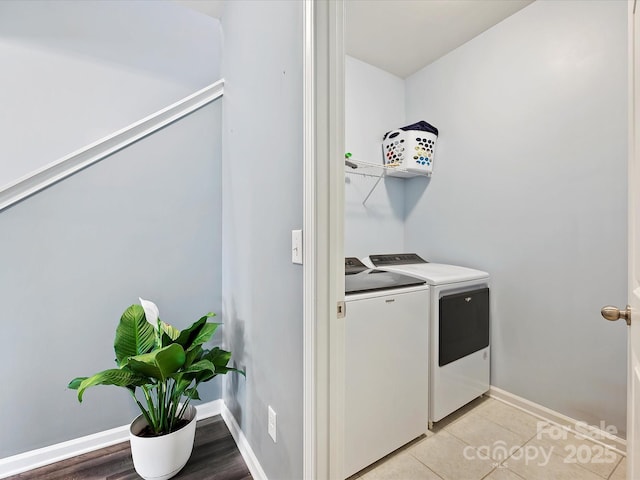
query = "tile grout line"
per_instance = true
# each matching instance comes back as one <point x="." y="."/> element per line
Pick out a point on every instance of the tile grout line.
<point x="580" y="437"/>
<point x="577" y="463"/>
<point x="427" y="466"/>
<point x="502" y="463"/>
<point x="615" y="468"/>
<point x="535" y="435"/>
<point x="457" y="438"/>
<point x="547" y="422"/>
<point x="479" y="407"/>
<point x="552" y="417"/>
<point x="520" y="418"/>
<point x="420" y="461"/>
<point x="495" y="423"/>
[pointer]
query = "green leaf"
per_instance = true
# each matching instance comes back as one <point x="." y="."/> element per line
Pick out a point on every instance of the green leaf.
<point x="217" y="356"/>
<point x="194" y="354"/>
<point x="192" y="393"/>
<point x="75" y="383"/>
<point x="194" y="335"/>
<point x="166" y="340"/>
<point x="200" y="372"/>
<point x="182" y="383"/>
<point x="115" y="376"/>
<point x="170" y="330"/>
<point x="169" y="334"/>
<point x="222" y="370"/>
<point x="159" y="364"/>
<point x="134" y="335"/>
<point x="201" y="367"/>
<point x="205" y="333"/>
<point x="220" y="358"/>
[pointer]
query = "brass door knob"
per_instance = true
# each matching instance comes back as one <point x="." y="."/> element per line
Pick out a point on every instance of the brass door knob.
<point x="612" y="313"/>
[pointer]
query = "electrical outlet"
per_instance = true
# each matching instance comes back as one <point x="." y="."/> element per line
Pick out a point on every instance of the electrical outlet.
<point x="272" y="424"/>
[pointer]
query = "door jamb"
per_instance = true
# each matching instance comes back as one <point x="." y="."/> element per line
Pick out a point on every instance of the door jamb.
<point x="323" y="239"/>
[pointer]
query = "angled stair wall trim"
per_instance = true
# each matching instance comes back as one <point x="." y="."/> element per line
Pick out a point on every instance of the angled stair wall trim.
<point x="96" y="151"/>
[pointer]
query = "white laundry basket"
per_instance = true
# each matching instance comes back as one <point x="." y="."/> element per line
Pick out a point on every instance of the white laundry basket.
<point x="409" y="150"/>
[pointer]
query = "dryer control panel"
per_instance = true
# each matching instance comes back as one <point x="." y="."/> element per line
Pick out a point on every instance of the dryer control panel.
<point x="389" y="259"/>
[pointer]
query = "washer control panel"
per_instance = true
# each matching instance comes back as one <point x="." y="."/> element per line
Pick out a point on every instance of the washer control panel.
<point x="396" y="259"/>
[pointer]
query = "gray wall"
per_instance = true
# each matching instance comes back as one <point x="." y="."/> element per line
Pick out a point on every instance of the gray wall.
<point x="144" y="222"/>
<point x="262" y="182"/>
<point x="374" y="104"/>
<point x="80" y="70"/>
<point x="529" y="185"/>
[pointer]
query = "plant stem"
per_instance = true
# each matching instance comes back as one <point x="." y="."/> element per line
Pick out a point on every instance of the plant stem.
<point x="141" y="407"/>
<point x="184" y="407"/>
<point x="172" y="405"/>
<point x="161" y="404"/>
<point x="152" y="413"/>
<point x="186" y="402"/>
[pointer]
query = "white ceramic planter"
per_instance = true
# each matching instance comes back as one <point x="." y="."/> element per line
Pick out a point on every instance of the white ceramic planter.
<point x="161" y="458"/>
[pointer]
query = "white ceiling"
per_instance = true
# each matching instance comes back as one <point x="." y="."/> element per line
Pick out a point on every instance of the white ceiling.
<point x="403" y="36"/>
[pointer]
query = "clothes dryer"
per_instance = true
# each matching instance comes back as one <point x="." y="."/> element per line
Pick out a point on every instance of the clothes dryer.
<point x="458" y="309"/>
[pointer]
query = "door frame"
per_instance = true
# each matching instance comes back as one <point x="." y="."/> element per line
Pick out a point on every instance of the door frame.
<point x="633" y="419"/>
<point x="323" y="239"/>
<point x="323" y="224"/>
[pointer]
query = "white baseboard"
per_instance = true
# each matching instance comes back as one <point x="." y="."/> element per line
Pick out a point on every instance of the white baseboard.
<point x="209" y="409"/>
<point x="61" y="451"/>
<point x="613" y="442"/>
<point x="243" y="445"/>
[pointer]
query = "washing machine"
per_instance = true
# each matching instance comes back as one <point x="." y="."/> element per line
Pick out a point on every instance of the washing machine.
<point x="385" y="371"/>
<point x="458" y="308"/>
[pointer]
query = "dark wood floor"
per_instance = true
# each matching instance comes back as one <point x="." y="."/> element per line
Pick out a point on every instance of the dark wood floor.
<point x="215" y="457"/>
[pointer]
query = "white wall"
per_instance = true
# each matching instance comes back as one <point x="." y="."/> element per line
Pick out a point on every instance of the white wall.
<point x="529" y="185"/>
<point x="262" y="191"/>
<point x="78" y="71"/>
<point x="374" y="104"/>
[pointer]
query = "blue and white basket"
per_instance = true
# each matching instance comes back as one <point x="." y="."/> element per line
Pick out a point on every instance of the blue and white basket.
<point x="409" y="150"/>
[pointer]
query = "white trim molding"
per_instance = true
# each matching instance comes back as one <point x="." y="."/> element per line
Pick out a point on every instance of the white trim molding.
<point x="243" y="445"/>
<point x="61" y="451"/>
<point x="595" y="434"/>
<point x="96" y="151"/>
<point x="309" y="429"/>
<point x="324" y="239"/>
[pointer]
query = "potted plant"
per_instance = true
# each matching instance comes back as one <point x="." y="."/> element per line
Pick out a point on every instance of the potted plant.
<point x="166" y="366"/>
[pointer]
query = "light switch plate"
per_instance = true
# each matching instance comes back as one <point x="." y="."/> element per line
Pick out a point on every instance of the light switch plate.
<point x="296" y="246"/>
<point x="272" y="423"/>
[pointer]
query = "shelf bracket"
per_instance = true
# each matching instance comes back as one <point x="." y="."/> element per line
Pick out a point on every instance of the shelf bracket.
<point x="373" y="188"/>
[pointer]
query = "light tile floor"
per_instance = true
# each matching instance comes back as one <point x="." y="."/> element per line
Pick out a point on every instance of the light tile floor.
<point x="490" y="440"/>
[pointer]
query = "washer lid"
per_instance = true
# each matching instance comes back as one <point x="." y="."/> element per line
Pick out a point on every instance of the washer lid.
<point x="358" y="278"/>
<point x="433" y="273"/>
